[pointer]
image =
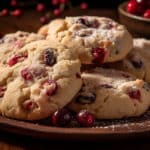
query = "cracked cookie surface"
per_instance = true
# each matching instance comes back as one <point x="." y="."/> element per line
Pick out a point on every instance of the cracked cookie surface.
<point x="137" y="61"/>
<point x="40" y="83"/>
<point x="96" y="39"/>
<point x="111" y="94"/>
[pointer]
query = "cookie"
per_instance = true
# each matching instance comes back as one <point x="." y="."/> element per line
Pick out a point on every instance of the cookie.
<point x="96" y="39"/>
<point x="137" y="61"/>
<point x="45" y="80"/>
<point x="13" y="42"/>
<point x="111" y="94"/>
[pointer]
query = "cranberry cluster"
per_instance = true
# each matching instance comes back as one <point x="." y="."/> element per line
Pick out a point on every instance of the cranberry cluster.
<point x="139" y="7"/>
<point x="16" y="8"/>
<point x="64" y="117"/>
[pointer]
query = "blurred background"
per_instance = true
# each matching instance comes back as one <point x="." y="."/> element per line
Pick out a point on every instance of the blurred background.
<point x="92" y="3"/>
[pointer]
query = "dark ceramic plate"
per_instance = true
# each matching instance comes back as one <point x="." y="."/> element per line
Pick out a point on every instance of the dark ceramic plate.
<point x="103" y="129"/>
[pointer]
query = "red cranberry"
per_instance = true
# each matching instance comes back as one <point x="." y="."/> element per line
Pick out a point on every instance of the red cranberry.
<point x="134" y="94"/>
<point x="61" y="118"/>
<point x="63" y="1"/>
<point x="49" y="57"/>
<point x="40" y="7"/>
<point x="147" y="13"/>
<point x="85" y="118"/>
<point x="134" y="8"/>
<point x="29" y="105"/>
<point x="17" y="13"/>
<point x="84" y="6"/>
<point x="55" y="2"/>
<point x="26" y="74"/>
<point x="13" y="3"/>
<point x="2" y="90"/>
<point x="57" y="12"/>
<point x="51" y="87"/>
<point x="15" y="59"/>
<point x="98" y="54"/>
<point x="43" y="20"/>
<point x="4" y="12"/>
<point x="143" y="3"/>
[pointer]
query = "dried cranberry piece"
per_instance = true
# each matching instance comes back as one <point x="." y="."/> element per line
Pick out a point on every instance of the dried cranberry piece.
<point x="86" y="99"/>
<point x="29" y="105"/>
<point x="15" y="59"/>
<point x="85" y="118"/>
<point x="26" y="74"/>
<point x="51" y="87"/>
<point x="49" y="57"/>
<point x="134" y="94"/>
<point x="61" y="118"/>
<point x="137" y="63"/>
<point x="84" y="21"/>
<point x="107" y="86"/>
<point x="78" y="75"/>
<point x="2" y="90"/>
<point x="98" y="54"/>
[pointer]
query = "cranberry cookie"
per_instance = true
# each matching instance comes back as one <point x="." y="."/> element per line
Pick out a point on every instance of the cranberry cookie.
<point x="43" y="80"/>
<point x="13" y="42"/>
<point x="96" y="39"/>
<point x="137" y="61"/>
<point x="111" y="94"/>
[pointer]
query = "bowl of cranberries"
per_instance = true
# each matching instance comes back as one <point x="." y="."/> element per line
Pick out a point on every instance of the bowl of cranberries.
<point x="135" y="14"/>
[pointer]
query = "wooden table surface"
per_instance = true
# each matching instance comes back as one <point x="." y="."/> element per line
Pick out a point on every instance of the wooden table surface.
<point x="30" y="22"/>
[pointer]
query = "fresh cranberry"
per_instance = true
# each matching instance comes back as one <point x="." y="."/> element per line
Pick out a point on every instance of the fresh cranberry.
<point x="49" y="57"/>
<point x="26" y="74"/>
<point x="84" y="6"/>
<point x="17" y="12"/>
<point x="15" y="59"/>
<point x="57" y="12"/>
<point x="147" y="13"/>
<point x="143" y="3"/>
<point x="43" y="20"/>
<point x="61" y="118"/>
<point x="4" y="12"/>
<point x="55" y="2"/>
<point x="13" y="3"/>
<point x="29" y="105"/>
<point x="134" y="8"/>
<point x="98" y="54"/>
<point x="85" y="118"/>
<point x="2" y="90"/>
<point x="40" y="7"/>
<point x="86" y="99"/>
<point x="63" y="1"/>
<point x="134" y="94"/>
<point x="51" y="87"/>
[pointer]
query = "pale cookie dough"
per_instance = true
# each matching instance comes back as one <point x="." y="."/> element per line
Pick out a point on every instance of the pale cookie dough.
<point x="45" y="80"/>
<point x="11" y="43"/>
<point x="137" y="61"/>
<point x="96" y="39"/>
<point x="111" y="94"/>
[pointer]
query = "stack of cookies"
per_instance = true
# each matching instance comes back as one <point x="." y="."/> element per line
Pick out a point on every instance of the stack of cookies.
<point x="80" y="63"/>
